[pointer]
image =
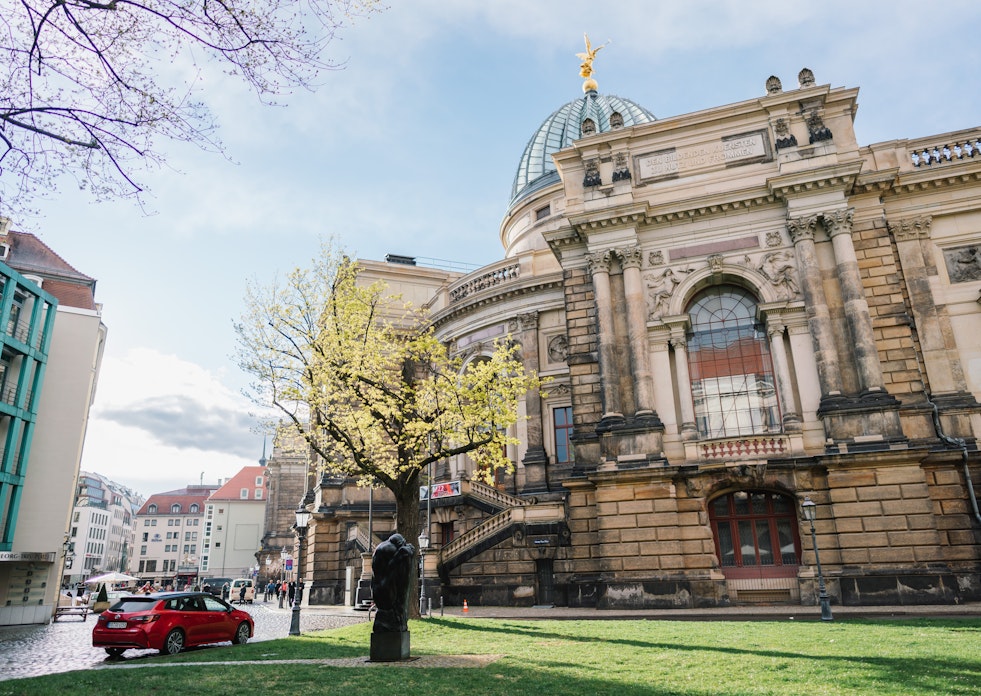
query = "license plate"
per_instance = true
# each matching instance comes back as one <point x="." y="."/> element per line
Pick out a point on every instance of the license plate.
<point x="116" y="624"/>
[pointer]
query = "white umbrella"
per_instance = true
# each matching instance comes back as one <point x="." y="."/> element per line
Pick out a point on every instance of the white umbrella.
<point x="112" y="577"/>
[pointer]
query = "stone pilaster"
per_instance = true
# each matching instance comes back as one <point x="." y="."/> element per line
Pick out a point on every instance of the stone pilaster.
<point x="535" y="458"/>
<point x="838" y="224"/>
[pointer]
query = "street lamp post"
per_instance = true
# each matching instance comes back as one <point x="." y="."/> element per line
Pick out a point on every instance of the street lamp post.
<point x="423" y="545"/>
<point x="809" y="508"/>
<point x="302" y="520"/>
<point x="282" y="575"/>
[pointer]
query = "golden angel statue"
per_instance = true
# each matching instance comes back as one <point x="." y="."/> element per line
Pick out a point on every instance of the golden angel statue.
<point x="586" y="68"/>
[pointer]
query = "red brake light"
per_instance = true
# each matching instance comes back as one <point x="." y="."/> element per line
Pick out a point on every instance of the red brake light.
<point x="146" y="618"/>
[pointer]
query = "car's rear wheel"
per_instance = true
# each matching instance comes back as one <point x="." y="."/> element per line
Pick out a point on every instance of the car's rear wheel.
<point x="115" y="652"/>
<point x="242" y="634"/>
<point x="174" y="642"/>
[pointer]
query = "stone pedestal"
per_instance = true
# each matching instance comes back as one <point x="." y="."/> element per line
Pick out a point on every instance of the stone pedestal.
<point x="389" y="646"/>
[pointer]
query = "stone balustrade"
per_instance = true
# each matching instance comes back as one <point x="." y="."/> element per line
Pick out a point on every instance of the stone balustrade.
<point x="927" y="156"/>
<point x="749" y="447"/>
<point x="488" y="277"/>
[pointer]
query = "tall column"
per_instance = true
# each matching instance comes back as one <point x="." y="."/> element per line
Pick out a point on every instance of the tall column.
<point x="633" y="289"/>
<point x="689" y="431"/>
<point x="825" y="357"/>
<point x="781" y="367"/>
<point x="838" y="224"/>
<point x="535" y="458"/>
<point x="599" y="268"/>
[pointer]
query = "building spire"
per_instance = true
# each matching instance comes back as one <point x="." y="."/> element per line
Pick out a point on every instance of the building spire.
<point x="586" y="67"/>
<point x="262" y="460"/>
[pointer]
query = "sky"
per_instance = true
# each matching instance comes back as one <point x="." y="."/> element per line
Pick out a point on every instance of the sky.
<point x="411" y="149"/>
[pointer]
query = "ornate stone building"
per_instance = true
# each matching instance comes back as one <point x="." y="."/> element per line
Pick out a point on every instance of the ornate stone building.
<point x="738" y="309"/>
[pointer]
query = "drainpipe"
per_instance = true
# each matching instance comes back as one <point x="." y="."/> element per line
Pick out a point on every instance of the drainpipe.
<point x="959" y="443"/>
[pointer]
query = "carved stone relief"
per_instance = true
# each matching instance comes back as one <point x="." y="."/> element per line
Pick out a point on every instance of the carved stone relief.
<point x="655" y="258"/>
<point x="558" y="348"/>
<point x="784" y="137"/>
<point x="620" y="170"/>
<point x="660" y="287"/>
<point x="780" y="268"/>
<point x="592" y="177"/>
<point x="774" y="238"/>
<point x="816" y="128"/>
<point x="715" y="263"/>
<point x="963" y="263"/>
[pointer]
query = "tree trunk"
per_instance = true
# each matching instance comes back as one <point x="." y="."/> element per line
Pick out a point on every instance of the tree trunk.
<point x="407" y="524"/>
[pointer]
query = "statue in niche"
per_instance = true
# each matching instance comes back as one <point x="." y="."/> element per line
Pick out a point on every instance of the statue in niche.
<point x="659" y="291"/>
<point x="963" y="264"/>
<point x="780" y="269"/>
<point x="391" y="570"/>
<point x="558" y="348"/>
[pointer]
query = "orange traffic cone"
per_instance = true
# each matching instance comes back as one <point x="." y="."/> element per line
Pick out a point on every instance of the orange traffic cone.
<point x="466" y="608"/>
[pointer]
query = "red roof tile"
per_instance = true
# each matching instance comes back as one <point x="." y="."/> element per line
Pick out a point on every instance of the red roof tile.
<point x="246" y="478"/>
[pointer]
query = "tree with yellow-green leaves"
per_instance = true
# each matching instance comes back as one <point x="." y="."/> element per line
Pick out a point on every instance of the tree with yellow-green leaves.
<point x="361" y="376"/>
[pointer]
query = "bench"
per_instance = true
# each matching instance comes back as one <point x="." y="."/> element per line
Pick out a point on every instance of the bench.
<point x="70" y="610"/>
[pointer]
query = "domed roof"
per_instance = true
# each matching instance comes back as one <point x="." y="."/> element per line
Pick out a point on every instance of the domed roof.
<point x="537" y="170"/>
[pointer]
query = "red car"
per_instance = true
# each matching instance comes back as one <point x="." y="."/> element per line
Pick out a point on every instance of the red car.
<point x="170" y="622"/>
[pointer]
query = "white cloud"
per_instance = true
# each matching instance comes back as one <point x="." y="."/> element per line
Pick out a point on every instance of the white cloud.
<point x="160" y="423"/>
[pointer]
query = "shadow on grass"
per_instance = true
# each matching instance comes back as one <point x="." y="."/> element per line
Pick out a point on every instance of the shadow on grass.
<point x="925" y="675"/>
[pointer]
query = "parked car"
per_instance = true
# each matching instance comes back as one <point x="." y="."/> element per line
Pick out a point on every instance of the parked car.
<point x="214" y="585"/>
<point x="236" y="594"/>
<point x="170" y="622"/>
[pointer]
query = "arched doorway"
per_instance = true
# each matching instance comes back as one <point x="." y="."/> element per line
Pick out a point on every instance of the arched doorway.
<point x="758" y="544"/>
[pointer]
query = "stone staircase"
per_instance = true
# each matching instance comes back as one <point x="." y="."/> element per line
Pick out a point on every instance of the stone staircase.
<point x="513" y="513"/>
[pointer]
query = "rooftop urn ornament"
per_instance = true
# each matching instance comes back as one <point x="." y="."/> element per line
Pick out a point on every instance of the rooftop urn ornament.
<point x="586" y="68"/>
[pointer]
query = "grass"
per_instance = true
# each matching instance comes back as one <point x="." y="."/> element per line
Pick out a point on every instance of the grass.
<point x="621" y="658"/>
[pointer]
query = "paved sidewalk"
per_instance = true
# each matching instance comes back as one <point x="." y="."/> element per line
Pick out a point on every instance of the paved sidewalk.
<point x="742" y="613"/>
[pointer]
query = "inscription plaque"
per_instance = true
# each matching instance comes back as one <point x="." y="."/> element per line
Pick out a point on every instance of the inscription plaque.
<point x="672" y="162"/>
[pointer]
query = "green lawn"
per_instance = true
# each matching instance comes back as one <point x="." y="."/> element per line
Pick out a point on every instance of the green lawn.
<point x="619" y="658"/>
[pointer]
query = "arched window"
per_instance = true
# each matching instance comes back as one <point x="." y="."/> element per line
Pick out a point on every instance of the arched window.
<point x="194" y="507"/>
<point x="756" y="534"/>
<point x="176" y="507"/>
<point x="152" y="510"/>
<point x="729" y="360"/>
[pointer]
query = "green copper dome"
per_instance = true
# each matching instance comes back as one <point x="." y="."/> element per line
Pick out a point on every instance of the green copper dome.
<point x="537" y="170"/>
